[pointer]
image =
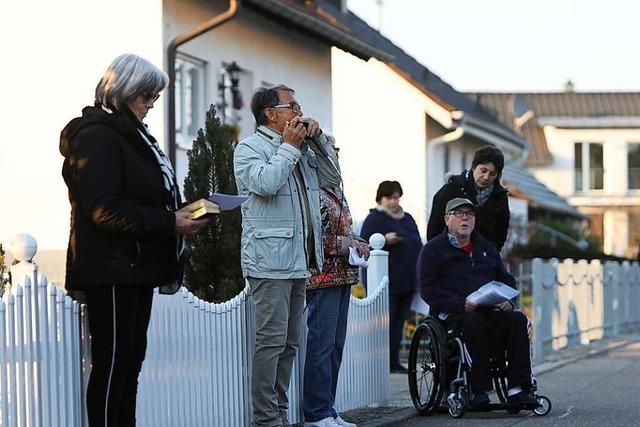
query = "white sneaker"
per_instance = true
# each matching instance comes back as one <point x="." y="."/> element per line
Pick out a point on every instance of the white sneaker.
<point x="325" y="422"/>
<point x="338" y="420"/>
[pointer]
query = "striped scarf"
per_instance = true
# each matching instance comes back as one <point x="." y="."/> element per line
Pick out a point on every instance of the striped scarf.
<point x="169" y="180"/>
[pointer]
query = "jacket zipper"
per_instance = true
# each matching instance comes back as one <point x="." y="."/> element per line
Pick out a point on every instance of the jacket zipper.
<point x="304" y="227"/>
<point x="133" y="264"/>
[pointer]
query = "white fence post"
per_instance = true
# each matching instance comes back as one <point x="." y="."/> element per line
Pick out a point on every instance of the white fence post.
<point x="378" y="263"/>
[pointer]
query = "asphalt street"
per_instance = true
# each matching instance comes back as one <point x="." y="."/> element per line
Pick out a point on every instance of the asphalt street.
<point x="599" y="391"/>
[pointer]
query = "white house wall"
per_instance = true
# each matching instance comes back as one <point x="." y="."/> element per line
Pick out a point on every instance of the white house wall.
<point x="57" y="52"/>
<point x="379" y="124"/>
<point x="269" y="52"/>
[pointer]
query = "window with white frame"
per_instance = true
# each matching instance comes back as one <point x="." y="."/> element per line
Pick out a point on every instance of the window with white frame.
<point x="633" y="165"/>
<point x="588" y="168"/>
<point x="190" y="93"/>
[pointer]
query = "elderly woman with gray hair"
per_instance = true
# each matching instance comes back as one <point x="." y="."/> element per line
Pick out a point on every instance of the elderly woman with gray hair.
<point x="125" y="236"/>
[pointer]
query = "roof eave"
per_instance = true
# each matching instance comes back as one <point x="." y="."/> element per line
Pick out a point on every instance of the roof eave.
<point x="516" y="192"/>
<point x="489" y="132"/>
<point x="318" y="28"/>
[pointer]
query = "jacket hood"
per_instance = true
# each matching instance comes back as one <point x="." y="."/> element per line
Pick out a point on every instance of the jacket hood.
<point x="121" y="121"/>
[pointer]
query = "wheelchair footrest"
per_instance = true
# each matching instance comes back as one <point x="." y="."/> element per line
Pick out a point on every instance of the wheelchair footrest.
<point x="504" y="407"/>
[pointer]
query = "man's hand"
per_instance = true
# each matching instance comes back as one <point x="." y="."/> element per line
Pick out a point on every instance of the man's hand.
<point x="361" y="247"/>
<point x="313" y="127"/>
<point x="392" y="238"/>
<point x="185" y="225"/>
<point x="469" y="306"/>
<point x="505" y="306"/>
<point x="294" y="132"/>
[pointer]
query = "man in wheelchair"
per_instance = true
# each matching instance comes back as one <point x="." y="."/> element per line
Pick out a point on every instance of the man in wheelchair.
<point x="450" y="267"/>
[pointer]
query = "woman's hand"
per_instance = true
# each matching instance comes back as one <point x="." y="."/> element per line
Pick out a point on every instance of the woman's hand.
<point x="505" y="306"/>
<point x="361" y="247"/>
<point x="392" y="238"/>
<point x="185" y="225"/>
<point x="469" y="306"/>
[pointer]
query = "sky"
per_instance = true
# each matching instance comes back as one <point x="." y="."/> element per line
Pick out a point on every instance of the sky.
<point x="511" y="45"/>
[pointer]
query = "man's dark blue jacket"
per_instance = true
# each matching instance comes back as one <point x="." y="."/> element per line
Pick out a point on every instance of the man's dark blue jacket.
<point x="447" y="274"/>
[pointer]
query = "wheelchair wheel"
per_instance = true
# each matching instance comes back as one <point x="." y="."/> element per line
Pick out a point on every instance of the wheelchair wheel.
<point x="456" y="409"/>
<point x="545" y="406"/>
<point x="427" y="369"/>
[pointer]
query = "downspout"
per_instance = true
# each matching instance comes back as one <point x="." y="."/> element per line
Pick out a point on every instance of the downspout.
<point x="181" y="39"/>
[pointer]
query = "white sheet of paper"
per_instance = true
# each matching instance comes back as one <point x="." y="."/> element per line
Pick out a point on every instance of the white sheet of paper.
<point x="493" y="293"/>
<point x="357" y="260"/>
<point x="419" y="305"/>
<point x="227" y="202"/>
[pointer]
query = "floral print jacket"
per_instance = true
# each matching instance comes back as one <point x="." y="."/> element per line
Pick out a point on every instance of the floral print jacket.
<point x="336" y="238"/>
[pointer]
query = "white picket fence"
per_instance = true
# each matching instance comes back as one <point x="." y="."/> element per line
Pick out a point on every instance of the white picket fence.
<point x="576" y="302"/>
<point x="198" y="365"/>
<point x="41" y="368"/>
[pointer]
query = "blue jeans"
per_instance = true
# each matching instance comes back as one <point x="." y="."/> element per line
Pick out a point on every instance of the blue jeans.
<point x="327" y="311"/>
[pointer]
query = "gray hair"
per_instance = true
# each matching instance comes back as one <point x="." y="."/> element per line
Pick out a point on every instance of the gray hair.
<point x="127" y="77"/>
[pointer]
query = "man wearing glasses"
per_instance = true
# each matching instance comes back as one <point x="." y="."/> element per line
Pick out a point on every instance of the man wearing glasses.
<point x="451" y="266"/>
<point x="281" y="239"/>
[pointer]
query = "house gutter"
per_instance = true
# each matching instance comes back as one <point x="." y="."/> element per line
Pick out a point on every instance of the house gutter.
<point x="181" y="39"/>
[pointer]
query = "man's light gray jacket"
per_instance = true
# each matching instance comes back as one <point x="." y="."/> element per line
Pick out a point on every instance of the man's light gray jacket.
<point x="274" y="236"/>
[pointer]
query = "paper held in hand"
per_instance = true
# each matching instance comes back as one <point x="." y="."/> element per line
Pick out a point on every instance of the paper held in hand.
<point x="356" y="259"/>
<point x="217" y="202"/>
<point x="493" y="293"/>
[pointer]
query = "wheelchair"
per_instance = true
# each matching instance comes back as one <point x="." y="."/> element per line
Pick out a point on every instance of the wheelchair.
<point x="438" y="364"/>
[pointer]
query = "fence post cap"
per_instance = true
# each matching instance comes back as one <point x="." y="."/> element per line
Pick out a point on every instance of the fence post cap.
<point x="377" y="241"/>
<point x="23" y="247"/>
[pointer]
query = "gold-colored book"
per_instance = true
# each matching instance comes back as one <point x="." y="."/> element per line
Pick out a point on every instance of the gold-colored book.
<point x="201" y="208"/>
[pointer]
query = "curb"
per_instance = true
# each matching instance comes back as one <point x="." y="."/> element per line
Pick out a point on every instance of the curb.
<point x="543" y="368"/>
<point x="406" y="414"/>
<point x="399" y="416"/>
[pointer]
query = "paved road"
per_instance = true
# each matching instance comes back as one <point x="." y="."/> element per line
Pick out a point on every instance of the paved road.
<point x="602" y="391"/>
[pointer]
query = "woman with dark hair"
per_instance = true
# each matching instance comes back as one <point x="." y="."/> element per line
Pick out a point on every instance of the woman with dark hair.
<point x="481" y="185"/>
<point x="125" y="229"/>
<point x="403" y="243"/>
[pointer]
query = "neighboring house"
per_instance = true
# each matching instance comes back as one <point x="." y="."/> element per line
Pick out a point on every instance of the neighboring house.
<point x="586" y="147"/>
<point x="395" y="119"/>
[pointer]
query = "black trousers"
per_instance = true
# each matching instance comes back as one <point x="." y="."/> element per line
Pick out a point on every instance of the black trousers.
<point x="399" y="307"/>
<point x="480" y="330"/>
<point x="118" y="322"/>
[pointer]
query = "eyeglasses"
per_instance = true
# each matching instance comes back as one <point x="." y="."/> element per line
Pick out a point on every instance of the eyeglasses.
<point x="295" y="107"/>
<point x="460" y="214"/>
<point x="150" y="97"/>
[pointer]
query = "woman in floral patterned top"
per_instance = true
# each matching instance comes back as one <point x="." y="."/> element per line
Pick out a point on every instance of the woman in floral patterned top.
<point x="328" y="293"/>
